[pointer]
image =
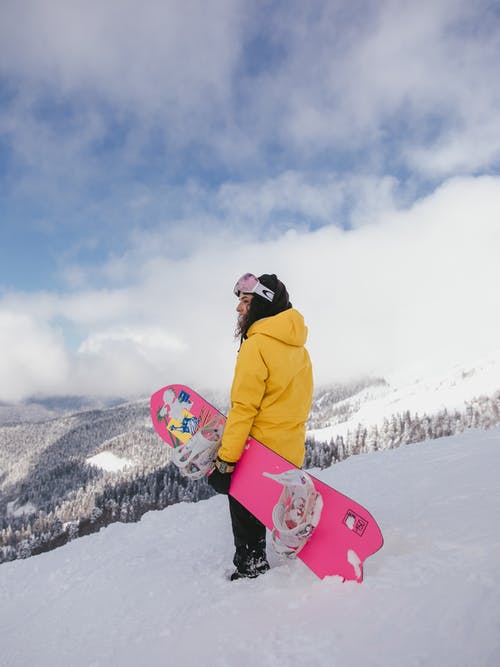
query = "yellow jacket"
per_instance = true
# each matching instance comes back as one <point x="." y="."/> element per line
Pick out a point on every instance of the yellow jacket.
<point x="271" y="394"/>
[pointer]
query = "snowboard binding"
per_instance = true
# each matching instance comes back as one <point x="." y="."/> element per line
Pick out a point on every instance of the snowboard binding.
<point x="195" y="458"/>
<point x="296" y="514"/>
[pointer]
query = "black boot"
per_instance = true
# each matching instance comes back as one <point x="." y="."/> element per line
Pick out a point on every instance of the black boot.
<point x="250" y="561"/>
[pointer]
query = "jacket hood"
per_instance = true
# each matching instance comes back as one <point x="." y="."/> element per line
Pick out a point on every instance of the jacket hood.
<point x="287" y="326"/>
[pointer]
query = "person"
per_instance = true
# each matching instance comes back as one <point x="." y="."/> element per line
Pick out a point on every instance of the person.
<point x="271" y="396"/>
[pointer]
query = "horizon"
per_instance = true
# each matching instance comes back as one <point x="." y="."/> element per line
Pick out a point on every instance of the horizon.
<point x="149" y="156"/>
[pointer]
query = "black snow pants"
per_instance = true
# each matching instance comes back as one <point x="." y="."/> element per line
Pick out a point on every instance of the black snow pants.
<point x="247" y="530"/>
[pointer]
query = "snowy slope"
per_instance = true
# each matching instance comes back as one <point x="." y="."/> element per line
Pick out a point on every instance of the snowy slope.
<point x="155" y="592"/>
<point x="428" y="392"/>
<point x="109" y="462"/>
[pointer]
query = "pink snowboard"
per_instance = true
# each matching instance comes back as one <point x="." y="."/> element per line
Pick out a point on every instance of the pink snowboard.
<point x="346" y="534"/>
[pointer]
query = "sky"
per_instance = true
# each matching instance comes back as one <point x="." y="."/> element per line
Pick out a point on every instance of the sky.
<point x="150" y="154"/>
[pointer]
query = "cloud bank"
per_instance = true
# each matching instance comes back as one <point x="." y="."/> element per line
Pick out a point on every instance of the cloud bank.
<point x="417" y="287"/>
<point x="228" y="85"/>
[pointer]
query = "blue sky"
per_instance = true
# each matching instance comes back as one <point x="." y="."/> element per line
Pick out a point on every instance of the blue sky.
<point x="167" y="146"/>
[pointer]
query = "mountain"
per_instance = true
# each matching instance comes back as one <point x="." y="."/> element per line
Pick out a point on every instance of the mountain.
<point x="376" y="414"/>
<point x="155" y="592"/>
<point x="340" y="408"/>
<point x="69" y="476"/>
<point x="37" y="409"/>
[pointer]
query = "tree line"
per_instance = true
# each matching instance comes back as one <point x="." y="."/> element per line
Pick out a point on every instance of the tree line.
<point x="403" y="429"/>
<point x="111" y="497"/>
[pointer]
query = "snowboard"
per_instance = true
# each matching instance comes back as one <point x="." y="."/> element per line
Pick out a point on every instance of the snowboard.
<point x="346" y="534"/>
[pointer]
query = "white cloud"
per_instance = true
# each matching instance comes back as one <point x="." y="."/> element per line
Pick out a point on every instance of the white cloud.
<point x="343" y="83"/>
<point x="125" y="359"/>
<point x="466" y="150"/>
<point x="289" y="194"/>
<point x="415" y="287"/>
<point x="313" y="200"/>
<point x="140" y="338"/>
<point x="177" y="52"/>
<point x="32" y="360"/>
<point x="387" y="79"/>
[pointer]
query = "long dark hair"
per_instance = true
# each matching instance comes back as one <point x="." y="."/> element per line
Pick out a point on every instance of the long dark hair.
<point x="260" y="307"/>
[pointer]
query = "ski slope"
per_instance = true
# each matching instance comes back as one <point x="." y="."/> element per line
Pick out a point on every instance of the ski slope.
<point x="427" y="393"/>
<point x="155" y="592"/>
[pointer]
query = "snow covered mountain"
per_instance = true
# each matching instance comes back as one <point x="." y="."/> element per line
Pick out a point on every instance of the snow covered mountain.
<point x="71" y="475"/>
<point x="450" y="389"/>
<point x="42" y="409"/>
<point x="66" y="477"/>
<point x="154" y="592"/>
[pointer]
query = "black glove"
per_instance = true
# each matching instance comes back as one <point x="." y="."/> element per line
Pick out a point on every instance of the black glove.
<point x="221" y="481"/>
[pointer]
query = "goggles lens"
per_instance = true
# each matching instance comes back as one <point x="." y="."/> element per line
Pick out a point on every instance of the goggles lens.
<point x="249" y="284"/>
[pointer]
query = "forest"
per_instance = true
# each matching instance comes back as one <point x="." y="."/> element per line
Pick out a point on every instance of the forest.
<point x="51" y="492"/>
<point x="403" y="429"/>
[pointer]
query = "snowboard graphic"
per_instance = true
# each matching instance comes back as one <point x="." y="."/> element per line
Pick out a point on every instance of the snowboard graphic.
<point x="346" y="533"/>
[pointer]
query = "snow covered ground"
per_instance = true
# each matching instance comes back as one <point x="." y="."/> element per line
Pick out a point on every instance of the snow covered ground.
<point x="155" y="592"/>
<point x="109" y="461"/>
<point x="417" y="392"/>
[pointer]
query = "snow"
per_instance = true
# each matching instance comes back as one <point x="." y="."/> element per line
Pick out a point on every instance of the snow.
<point x="156" y="593"/>
<point x="448" y="388"/>
<point x="109" y="462"/>
<point x="13" y="509"/>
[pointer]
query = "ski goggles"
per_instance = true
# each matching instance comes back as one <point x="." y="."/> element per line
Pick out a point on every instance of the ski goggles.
<point x="249" y="284"/>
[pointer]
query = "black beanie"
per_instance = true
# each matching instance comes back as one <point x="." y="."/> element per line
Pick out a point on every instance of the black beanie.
<point x="281" y="300"/>
<point x="261" y="307"/>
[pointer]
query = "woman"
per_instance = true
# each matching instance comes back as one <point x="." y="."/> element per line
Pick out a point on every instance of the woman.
<point x="271" y="397"/>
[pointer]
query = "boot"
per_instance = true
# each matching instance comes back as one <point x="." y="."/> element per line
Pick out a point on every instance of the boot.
<point x="250" y="561"/>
